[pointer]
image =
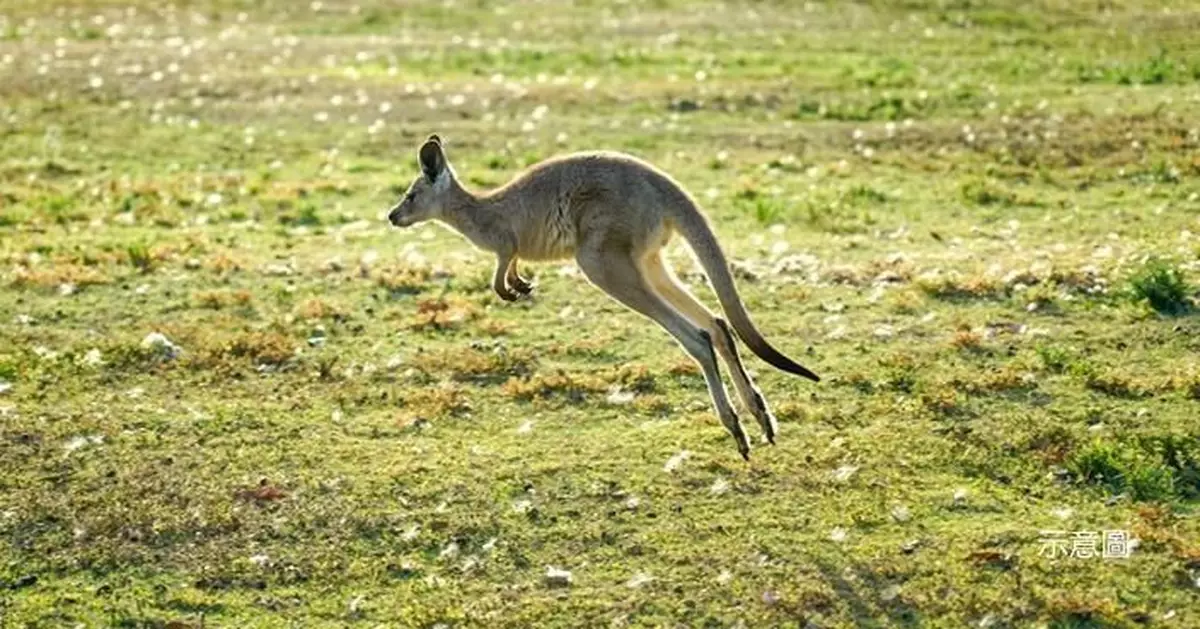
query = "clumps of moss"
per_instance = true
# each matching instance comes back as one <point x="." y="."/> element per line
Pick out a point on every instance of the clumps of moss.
<point x="987" y="193"/>
<point x="257" y="347"/>
<point x="478" y="364"/>
<point x="403" y="281"/>
<point x="222" y="263"/>
<point x="1074" y="611"/>
<point x="443" y="313"/>
<point x="942" y="400"/>
<point x="998" y="380"/>
<point x="1147" y="468"/>
<point x="1117" y="384"/>
<point x="447" y="400"/>
<point x="904" y="302"/>
<point x="318" y="308"/>
<point x="57" y="275"/>
<point x="900" y="372"/>
<point x="572" y="388"/>
<point x="221" y="299"/>
<point x="140" y="258"/>
<point x="1188" y="384"/>
<point x="1162" y="286"/>
<point x="954" y="287"/>
<point x="1057" y="359"/>
<point x="967" y="340"/>
<point x="684" y="368"/>
<point x="634" y="378"/>
<point x="576" y="387"/>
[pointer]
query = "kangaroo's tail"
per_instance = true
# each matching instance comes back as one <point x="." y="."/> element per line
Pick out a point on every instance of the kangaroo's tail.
<point x="695" y="229"/>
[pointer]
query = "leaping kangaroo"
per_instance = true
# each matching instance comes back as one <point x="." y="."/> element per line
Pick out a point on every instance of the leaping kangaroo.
<point x="614" y="213"/>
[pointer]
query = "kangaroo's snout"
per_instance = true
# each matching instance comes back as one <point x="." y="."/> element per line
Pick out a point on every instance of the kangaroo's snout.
<point x="395" y="217"/>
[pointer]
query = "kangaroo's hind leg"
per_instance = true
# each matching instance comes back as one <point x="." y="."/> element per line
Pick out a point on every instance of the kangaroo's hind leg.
<point x="659" y="274"/>
<point x="614" y="270"/>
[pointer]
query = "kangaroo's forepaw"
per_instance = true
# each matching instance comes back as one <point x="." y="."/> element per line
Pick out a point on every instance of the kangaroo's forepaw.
<point x="522" y="286"/>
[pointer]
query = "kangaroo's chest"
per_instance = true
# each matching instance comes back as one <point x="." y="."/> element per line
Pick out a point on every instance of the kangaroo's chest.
<point x="552" y="235"/>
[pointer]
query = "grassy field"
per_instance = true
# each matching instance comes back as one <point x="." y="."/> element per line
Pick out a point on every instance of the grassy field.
<point x="978" y="220"/>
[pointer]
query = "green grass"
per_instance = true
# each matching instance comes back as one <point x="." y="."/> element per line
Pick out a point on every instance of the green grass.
<point x="979" y="222"/>
<point x="1162" y="286"/>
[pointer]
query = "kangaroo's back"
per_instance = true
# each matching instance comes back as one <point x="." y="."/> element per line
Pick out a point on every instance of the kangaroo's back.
<point x="558" y="203"/>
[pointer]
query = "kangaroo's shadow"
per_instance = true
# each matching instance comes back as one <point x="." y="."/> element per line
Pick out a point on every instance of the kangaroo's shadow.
<point x="864" y="592"/>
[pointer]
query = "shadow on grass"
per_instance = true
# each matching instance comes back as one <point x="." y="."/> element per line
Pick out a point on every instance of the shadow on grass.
<point x="864" y="593"/>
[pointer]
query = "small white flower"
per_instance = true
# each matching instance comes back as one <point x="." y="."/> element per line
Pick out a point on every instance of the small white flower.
<point x="92" y="358"/>
<point x="617" y="396"/>
<point x="160" y="343"/>
<point x="1062" y="513"/>
<point x="674" y="462"/>
<point x="75" y="443"/>
<point x="638" y="580"/>
<point x="843" y="473"/>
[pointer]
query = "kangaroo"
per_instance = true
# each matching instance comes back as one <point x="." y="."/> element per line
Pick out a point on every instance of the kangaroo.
<point x="614" y="213"/>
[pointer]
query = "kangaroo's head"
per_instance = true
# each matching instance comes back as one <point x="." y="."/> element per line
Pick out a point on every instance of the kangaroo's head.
<point x="431" y="192"/>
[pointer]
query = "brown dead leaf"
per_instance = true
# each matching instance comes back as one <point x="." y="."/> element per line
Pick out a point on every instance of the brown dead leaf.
<point x="993" y="559"/>
<point x="265" y="492"/>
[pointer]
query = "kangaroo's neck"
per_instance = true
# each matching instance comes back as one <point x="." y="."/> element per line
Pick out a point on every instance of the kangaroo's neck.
<point x="480" y="218"/>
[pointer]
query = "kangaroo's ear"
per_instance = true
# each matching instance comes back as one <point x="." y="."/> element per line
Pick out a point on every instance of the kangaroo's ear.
<point x="433" y="160"/>
<point x="434" y="138"/>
